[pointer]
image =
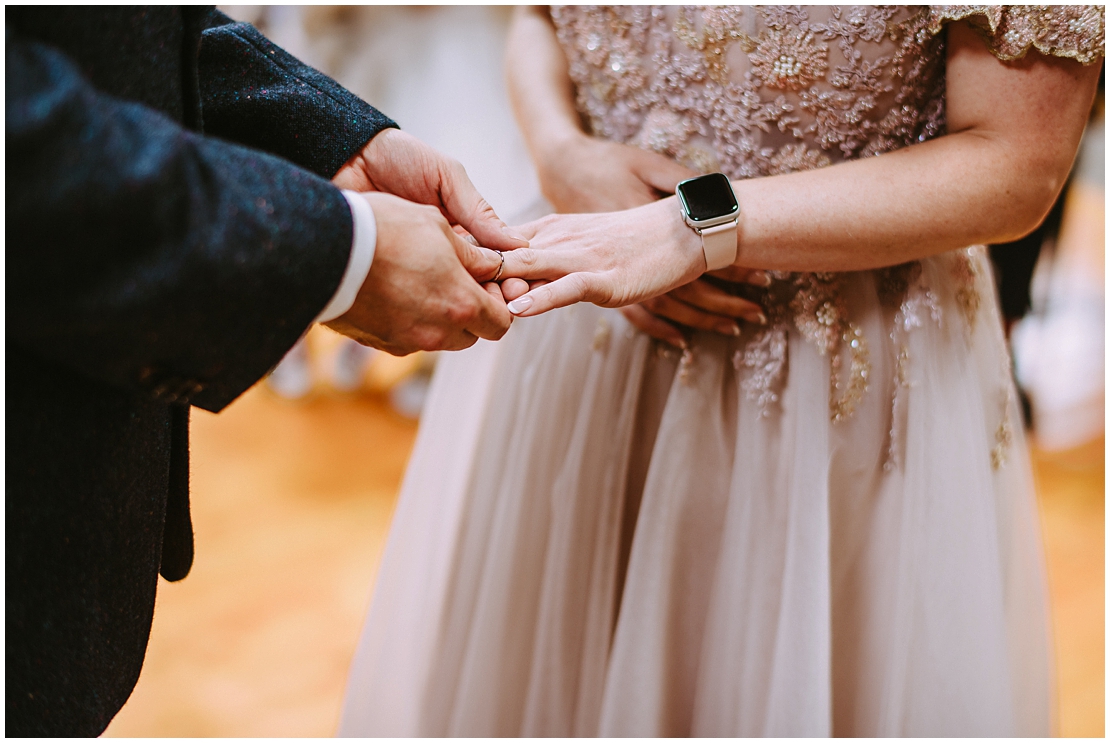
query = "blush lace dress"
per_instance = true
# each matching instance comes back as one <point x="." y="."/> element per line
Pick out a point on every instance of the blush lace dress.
<point x="825" y="526"/>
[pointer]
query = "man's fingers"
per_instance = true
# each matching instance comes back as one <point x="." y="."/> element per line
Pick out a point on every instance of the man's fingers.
<point x="458" y="341"/>
<point x="481" y="263"/>
<point x="495" y="291"/>
<point x="466" y="206"/>
<point x="559" y="293"/>
<point x="513" y="288"/>
<point x="490" y="317"/>
<point x="459" y="230"/>
<point x="654" y="326"/>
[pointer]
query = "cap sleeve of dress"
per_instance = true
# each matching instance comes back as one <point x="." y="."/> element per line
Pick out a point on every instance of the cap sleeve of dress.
<point x="1074" y="31"/>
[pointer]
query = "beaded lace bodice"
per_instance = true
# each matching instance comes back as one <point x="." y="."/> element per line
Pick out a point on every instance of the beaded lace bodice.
<point x="752" y="91"/>
<point x="763" y="90"/>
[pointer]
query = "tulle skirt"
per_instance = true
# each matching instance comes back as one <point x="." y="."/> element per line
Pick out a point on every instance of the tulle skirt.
<point x="595" y="537"/>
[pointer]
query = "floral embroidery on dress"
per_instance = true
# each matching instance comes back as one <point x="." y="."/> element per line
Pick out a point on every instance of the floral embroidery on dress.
<point x="765" y="359"/>
<point x="789" y="59"/>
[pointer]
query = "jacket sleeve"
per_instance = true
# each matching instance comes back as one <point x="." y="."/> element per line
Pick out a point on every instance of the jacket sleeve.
<point x="149" y="257"/>
<point x="254" y="93"/>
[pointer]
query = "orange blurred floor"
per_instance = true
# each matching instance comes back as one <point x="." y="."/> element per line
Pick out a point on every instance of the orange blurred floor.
<point x="291" y="503"/>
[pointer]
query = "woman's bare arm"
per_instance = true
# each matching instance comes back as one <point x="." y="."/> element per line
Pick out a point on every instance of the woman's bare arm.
<point x="1013" y="131"/>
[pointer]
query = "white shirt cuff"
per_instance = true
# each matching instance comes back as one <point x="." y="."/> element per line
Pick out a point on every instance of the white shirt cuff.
<point x="362" y="255"/>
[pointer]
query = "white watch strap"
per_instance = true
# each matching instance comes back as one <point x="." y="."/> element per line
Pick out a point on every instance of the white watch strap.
<point x="719" y="244"/>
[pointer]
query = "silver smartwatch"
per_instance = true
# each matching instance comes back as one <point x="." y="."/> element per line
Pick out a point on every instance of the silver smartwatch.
<point x="709" y="207"/>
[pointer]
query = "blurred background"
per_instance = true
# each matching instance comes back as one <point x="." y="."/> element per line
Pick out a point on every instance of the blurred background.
<point x="294" y="484"/>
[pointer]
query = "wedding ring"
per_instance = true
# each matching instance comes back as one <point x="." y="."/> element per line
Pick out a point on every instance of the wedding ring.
<point x="500" y="268"/>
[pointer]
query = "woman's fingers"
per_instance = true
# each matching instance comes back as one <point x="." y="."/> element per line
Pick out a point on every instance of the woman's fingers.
<point x="659" y="172"/>
<point x="740" y="275"/>
<point x="680" y="312"/>
<point x="568" y="290"/>
<point x="705" y="296"/>
<point x="654" y="326"/>
<point x="531" y="264"/>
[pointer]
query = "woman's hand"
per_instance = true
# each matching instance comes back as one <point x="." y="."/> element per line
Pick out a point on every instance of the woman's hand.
<point x="584" y="174"/>
<point x="612" y="259"/>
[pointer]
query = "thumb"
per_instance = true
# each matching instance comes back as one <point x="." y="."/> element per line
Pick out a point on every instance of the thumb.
<point x="661" y="173"/>
<point x="465" y="206"/>
<point x="481" y="263"/>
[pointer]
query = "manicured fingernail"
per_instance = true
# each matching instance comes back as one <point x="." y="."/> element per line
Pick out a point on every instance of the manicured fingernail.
<point x="760" y="278"/>
<point x="728" y="328"/>
<point x="513" y="234"/>
<point x="520" y="304"/>
<point x="759" y="318"/>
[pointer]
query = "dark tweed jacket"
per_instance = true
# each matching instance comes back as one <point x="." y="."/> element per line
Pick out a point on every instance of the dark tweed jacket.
<point x="149" y="267"/>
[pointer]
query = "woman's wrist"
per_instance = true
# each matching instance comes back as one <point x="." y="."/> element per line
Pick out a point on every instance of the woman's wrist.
<point x="686" y="244"/>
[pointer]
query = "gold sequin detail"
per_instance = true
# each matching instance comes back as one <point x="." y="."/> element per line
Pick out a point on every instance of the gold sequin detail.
<point x="601" y="334"/>
<point x="1003" y="437"/>
<point x="965" y="273"/>
<point x="841" y="406"/>
<point x="686" y="366"/>
<point x="893" y="457"/>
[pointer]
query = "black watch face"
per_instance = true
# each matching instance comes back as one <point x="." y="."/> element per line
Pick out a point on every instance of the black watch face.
<point x="708" y="197"/>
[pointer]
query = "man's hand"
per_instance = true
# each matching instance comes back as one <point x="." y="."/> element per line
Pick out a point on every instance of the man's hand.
<point x="397" y="163"/>
<point x="422" y="292"/>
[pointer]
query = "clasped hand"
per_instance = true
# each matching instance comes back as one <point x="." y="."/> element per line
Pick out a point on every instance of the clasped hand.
<point x="430" y="284"/>
<point x="428" y="288"/>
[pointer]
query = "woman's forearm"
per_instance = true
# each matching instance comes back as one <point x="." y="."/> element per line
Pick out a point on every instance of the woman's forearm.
<point x="951" y="192"/>
<point x="539" y="83"/>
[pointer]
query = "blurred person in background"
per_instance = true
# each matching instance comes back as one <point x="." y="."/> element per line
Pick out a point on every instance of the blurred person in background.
<point x="818" y="518"/>
<point x="183" y="201"/>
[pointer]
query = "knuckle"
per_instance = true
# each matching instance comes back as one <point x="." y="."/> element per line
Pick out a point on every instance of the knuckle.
<point x="526" y="257"/>
<point x="431" y="339"/>
<point x="460" y="313"/>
